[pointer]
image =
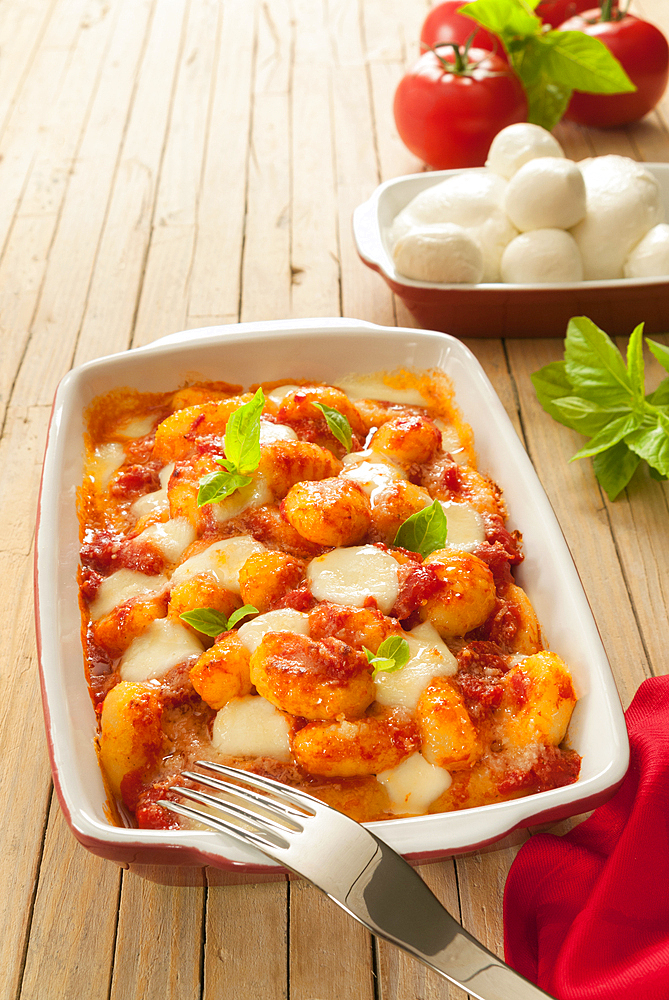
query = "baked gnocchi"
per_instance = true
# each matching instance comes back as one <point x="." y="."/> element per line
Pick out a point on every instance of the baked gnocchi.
<point x="303" y="581"/>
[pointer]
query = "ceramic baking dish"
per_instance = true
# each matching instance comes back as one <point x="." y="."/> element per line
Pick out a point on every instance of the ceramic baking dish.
<point x="327" y="350"/>
<point x="504" y="310"/>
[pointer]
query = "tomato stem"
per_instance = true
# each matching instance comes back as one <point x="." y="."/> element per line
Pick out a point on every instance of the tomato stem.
<point x="460" y="64"/>
<point x="611" y="11"/>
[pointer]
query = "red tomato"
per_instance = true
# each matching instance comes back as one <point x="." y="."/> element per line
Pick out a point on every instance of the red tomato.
<point x="444" y="24"/>
<point x="554" y="12"/>
<point x="449" y="118"/>
<point x="642" y="50"/>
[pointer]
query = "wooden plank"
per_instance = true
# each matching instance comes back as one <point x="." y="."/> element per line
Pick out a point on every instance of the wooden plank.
<point x="22" y="29"/>
<point x="235" y="964"/>
<point x="163" y="305"/>
<point x="119" y="266"/>
<point x="74" y="919"/>
<point x="266" y="265"/>
<point x="65" y="288"/>
<point x="159" y="942"/>
<point x="216" y="273"/>
<point x="327" y="947"/>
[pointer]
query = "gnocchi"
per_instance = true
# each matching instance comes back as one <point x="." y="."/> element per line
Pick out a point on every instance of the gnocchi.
<point x="299" y="626"/>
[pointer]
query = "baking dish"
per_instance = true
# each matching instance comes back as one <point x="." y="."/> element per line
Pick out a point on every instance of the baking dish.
<point x="505" y="310"/>
<point x="327" y="350"/>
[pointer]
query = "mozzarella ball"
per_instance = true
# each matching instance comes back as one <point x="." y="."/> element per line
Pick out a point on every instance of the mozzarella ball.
<point x="472" y="200"/>
<point x="439" y="253"/>
<point x="517" y="144"/>
<point x="650" y="257"/>
<point x="546" y="193"/>
<point x="542" y="256"/>
<point x="623" y="202"/>
<point x="466" y="199"/>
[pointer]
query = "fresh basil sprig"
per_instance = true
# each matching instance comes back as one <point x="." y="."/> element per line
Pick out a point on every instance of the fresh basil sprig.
<point x="392" y="655"/>
<point x="550" y="64"/>
<point x="242" y="453"/>
<point x="338" y="425"/>
<point x="595" y="393"/>
<point x="424" y="531"/>
<point x="212" y="622"/>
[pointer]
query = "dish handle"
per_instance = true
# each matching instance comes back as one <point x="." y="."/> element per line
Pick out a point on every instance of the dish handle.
<point x="368" y="235"/>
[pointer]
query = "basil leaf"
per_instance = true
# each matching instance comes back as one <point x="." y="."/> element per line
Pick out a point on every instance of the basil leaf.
<point x="424" y="531"/>
<point x="242" y="435"/>
<point x="392" y="655"/>
<point x="338" y="425"/>
<point x="661" y="395"/>
<point x="206" y="620"/>
<point x="660" y="351"/>
<point x="650" y="441"/>
<point x="594" y="365"/>
<point x="218" y="485"/>
<point x="614" y="468"/>
<point x="504" y="17"/>
<point x="212" y="622"/>
<point x="611" y="434"/>
<point x="240" y="613"/>
<point x="547" y="97"/>
<point x="584" y="416"/>
<point x="582" y="62"/>
<point x="635" y="365"/>
<point x="654" y="474"/>
<point x="550" y="384"/>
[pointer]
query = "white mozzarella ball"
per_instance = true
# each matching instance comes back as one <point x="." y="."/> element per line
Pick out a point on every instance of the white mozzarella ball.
<point x="650" y="257"/>
<point x="546" y="193"/>
<point x="623" y="202"/>
<point x="493" y="236"/>
<point x="516" y="144"/>
<point x="542" y="256"/>
<point x="466" y="199"/>
<point x="445" y="253"/>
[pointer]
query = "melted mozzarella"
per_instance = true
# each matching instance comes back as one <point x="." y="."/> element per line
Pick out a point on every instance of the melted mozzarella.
<point x="138" y="427"/>
<point x="271" y="432"/>
<point x="281" y="620"/>
<point x="104" y="463"/>
<point x="251" y="727"/>
<point x="223" y="560"/>
<point x="279" y="394"/>
<point x="372" y="387"/>
<point x="122" y="585"/>
<point x="430" y="657"/>
<point x="164" y="644"/>
<point x="465" y="526"/>
<point x="256" y="494"/>
<point x="414" y="785"/>
<point x="371" y="470"/>
<point x="451" y="443"/>
<point x="349" y="576"/>
<point x="171" y="538"/>
<point x="156" y="502"/>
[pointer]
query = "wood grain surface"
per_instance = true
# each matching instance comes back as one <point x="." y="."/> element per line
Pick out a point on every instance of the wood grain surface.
<point x="173" y="164"/>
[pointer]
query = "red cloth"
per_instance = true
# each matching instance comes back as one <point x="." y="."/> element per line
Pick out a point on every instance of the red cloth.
<point x="586" y="915"/>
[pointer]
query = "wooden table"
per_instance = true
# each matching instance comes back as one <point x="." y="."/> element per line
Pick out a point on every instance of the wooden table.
<point x="170" y="164"/>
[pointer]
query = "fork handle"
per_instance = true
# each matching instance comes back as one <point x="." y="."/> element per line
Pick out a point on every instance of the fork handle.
<point x="393" y="902"/>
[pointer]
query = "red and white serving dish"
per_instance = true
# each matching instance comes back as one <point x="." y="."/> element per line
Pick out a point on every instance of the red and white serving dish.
<point x="504" y="310"/>
<point x="326" y="350"/>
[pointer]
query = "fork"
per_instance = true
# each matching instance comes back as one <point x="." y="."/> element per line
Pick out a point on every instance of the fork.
<point x="359" y="872"/>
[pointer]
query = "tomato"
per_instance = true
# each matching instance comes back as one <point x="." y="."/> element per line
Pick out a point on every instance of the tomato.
<point x="449" y="109"/>
<point x="444" y="24"/>
<point x="554" y="12"/>
<point x="642" y="50"/>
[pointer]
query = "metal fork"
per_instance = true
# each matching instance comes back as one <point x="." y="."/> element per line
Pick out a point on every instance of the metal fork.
<point x="354" y="868"/>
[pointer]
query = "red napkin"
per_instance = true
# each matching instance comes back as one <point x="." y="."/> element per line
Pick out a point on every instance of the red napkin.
<point x="586" y="915"/>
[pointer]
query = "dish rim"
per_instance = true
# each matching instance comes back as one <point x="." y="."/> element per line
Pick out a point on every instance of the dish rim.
<point x="420" y="837"/>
